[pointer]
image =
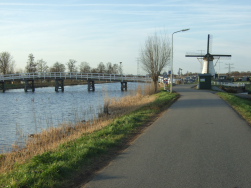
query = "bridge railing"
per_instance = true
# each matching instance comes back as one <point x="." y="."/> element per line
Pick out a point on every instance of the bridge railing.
<point x="74" y="75"/>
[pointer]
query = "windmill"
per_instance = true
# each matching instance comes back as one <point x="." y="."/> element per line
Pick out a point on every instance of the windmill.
<point x="208" y="66"/>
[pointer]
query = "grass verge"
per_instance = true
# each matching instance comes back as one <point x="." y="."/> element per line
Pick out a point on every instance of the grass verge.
<point x="78" y="158"/>
<point x="241" y="105"/>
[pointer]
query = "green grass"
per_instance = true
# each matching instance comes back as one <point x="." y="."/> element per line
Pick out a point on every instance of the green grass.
<point x="57" y="168"/>
<point x="241" y="105"/>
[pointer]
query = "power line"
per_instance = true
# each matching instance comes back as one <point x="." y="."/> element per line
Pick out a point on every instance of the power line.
<point x="229" y="67"/>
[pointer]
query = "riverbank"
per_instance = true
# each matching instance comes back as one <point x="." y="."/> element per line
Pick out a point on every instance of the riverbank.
<point x="60" y="163"/>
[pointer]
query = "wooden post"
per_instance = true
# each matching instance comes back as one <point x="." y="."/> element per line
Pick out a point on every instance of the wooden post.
<point x="91" y="85"/>
<point x="123" y="86"/>
<point x="29" y="84"/>
<point x="59" y="84"/>
<point x="2" y="86"/>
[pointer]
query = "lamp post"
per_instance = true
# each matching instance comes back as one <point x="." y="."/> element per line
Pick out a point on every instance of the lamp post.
<point x="171" y="77"/>
<point x="120" y="71"/>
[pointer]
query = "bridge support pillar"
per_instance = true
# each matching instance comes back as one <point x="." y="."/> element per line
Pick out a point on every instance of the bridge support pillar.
<point x="2" y="86"/>
<point x="91" y="85"/>
<point x="59" y="85"/>
<point x="29" y="85"/>
<point x="123" y="86"/>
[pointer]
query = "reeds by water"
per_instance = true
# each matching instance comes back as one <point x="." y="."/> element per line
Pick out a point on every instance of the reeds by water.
<point x="51" y="138"/>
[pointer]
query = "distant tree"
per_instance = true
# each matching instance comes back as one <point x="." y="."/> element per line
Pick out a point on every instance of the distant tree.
<point x="71" y="65"/>
<point x="155" y="56"/>
<point x="31" y="64"/>
<point x="101" y="68"/>
<point x="120" y="68"/>
<point x="84" y="67"/>
<point x="19" y="70"/>
<point x="239" y="74"/>
<point x="109" y="68"/>
<point x="190" y="74"/>
<point x="242" y="73"/>
<point x="245" y="73"/>
<point x="6" y="63"/>
<point x="94" y="70"/>
<point x="235" y="73"/>
<point x="57" y="67"/>
<point x="42" y="66"/>
<point x="116" y="69"/>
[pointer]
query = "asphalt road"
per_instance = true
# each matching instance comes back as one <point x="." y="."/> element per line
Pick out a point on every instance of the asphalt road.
<point x="199" y="142"/>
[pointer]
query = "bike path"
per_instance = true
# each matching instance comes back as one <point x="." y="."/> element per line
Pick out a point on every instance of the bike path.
<point x="199" y="142"/>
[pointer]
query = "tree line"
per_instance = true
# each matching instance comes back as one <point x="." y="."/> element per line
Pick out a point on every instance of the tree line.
<point x="240" y="74"/>
<point x="231" y="74"/>
<point x="154" y="56"/>
<point x="7" y="66"/>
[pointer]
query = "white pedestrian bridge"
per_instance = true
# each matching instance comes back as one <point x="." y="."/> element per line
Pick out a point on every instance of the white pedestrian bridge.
<point x="59" y="78"/>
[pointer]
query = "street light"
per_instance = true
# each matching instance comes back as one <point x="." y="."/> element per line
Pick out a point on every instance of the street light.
<point x="171" y="77"/>
<point x="120" y="71"/>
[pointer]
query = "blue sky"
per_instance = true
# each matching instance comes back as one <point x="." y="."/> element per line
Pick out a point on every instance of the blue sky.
<point x="114" y="31"/>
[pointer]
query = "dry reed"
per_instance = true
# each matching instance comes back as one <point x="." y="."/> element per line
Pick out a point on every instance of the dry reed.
<point x="50" y="139"/>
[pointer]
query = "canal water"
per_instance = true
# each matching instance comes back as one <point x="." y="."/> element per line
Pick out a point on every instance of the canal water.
<point x="24" y="113"/>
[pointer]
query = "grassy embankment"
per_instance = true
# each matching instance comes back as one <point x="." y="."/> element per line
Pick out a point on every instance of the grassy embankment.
<point x="241" y="105"/>
<point x="77" y="149"/>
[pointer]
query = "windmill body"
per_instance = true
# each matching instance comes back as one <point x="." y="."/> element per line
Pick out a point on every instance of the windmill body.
<point x="208" y="66"/>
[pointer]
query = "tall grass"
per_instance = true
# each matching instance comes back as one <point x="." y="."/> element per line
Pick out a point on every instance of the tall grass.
<point x="50" y="139"/>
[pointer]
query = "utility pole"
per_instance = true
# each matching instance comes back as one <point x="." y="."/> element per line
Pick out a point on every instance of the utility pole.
<point x="180" y="72"/>
<point x="219" y="69"/>
<point x="229" y="67"/>
<point x="138" y="61"/>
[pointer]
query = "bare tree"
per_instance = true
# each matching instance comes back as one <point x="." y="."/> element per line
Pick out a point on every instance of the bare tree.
<point x="57" y="67"/>
<point x="71" y="65"/>
<point x="19" y="70"/>
<point x="94" y="70"/>
<point x="109" y="69"/>
<point x="101" y="68"/>
<point x="42" y="66"/>
<point x="155" y="55"/>
<point x="116" y="69"/>
<point x="84" y="67"/>
<point x="6" y="63"/>
<point x="31" y="64"/>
